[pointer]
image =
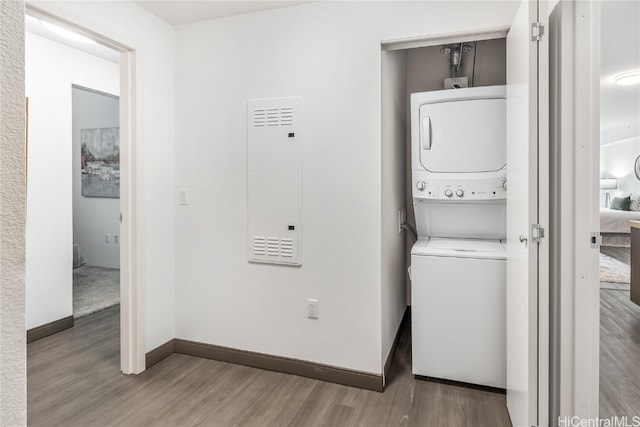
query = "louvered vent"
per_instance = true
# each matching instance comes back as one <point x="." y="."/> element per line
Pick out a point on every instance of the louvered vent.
<point x="273" y="247"/>
<point x="273" y="117"/>
<point x="259" y="118"/>
<point x="286" y="248"/>
<point x="259" y="246"/>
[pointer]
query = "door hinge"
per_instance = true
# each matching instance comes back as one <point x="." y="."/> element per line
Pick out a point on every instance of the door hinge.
<point x="537" y="233"/>
<point x="537" y="31"/>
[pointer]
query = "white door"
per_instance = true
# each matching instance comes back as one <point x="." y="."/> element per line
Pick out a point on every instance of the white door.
<point x="527" y="176"/>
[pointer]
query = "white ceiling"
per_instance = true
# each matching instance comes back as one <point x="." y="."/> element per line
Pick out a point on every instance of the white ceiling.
<point x="186" y="12"/>
<point x="620" y="50"/>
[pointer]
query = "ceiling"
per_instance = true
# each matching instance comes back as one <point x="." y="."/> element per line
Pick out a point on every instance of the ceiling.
<point x="620" y="50"/>
<point x="186" y="12"/>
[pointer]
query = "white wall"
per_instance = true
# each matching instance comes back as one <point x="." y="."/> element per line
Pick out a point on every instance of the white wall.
<point x="153" y="43"/>
<point x="617" y="161"/>
<point x="394" y="172"/>
<point x="13" y="372"/>
<point x="94" y="217"/>
<point x="329" y="54"/>
<point x="51" y="69"/>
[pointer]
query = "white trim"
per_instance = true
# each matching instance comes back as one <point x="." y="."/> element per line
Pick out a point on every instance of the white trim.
<point x="445" y="38"/>
<point x="132" y="342"/>
<point x="587" y="176"/>
<point x="543" y="216"/>
<point x="575" y="388"/>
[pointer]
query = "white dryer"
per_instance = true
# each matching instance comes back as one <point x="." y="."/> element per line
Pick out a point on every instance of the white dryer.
<point x="458" y="265"/>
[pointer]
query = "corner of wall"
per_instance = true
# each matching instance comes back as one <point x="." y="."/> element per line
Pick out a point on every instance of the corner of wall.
<point x="12" y="215"/>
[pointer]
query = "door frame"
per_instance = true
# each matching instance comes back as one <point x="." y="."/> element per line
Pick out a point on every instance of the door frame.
<point x="132" y="342"/>
<point x="575" y="317"/>
<point x="542" y="389"/>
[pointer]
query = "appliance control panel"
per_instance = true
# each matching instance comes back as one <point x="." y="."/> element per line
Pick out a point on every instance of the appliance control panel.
<point x="460" y="188"/>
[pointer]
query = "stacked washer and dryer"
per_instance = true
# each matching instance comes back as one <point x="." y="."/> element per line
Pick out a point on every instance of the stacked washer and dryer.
<point x="458" y="264"/>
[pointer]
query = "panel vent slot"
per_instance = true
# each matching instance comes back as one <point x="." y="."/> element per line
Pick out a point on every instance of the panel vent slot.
<point x="273" y="117"/>
<point x="259" y="246"/>
<point x="286" y="248"/>
<point x="286" y="116"/>
<point x="259" y="118"/>
<point x="273" y="246"/>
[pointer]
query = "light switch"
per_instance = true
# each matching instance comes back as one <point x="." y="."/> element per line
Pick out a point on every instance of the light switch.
<point x="184" y="196"/>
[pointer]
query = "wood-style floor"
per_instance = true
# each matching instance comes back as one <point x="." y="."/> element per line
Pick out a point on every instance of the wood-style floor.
<point x="74" y="380"/>
<point x="619" y="349"/>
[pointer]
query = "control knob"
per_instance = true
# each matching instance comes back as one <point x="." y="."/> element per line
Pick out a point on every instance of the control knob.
<point x="448" y="193"/>
<point x="459" y="192"/>
<point x="420" y="185"/>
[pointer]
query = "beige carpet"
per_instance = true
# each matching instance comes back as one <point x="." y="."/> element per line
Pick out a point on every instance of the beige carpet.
<point x="94" y="289"/>
<point x="614" y="271"/>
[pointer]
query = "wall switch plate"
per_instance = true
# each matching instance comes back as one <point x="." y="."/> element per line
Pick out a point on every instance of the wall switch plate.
<point x="184" y="197"/>
<point x="312" y="308"/>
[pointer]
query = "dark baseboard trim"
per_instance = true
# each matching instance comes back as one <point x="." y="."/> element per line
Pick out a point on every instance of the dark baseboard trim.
<point x="405" y="318"/>
<point x="160" y="353"/>
<point x="50" y="328"/>
<point x="281" y="364"/>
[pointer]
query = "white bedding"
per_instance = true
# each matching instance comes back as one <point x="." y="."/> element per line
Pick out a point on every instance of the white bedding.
<point x="614" y="226"/>
<point x="613" y="221"/>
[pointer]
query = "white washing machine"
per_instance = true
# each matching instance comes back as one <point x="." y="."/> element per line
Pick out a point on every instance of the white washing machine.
<point x="458" y="265"/>
<point x="458" y="310"/>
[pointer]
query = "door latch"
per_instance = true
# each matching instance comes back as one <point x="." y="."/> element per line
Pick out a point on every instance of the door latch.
<point x="537" y="233"/>
<point x="537" y="31"/>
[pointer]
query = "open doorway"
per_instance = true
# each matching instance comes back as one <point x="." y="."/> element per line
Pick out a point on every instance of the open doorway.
<point x="60" y="209"/>
<point x="96" y="200"/>
<point x="47" y="302"/>
<point x="619" y="203"/>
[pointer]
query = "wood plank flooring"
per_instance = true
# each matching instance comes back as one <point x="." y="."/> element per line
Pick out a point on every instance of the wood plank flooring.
<point x="619" y="348"/>
<point x="74" y="380"/>
<point x="621" y="254"/>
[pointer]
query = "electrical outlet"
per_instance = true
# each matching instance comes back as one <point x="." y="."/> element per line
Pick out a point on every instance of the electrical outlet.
<point x="106" y="238"/>
<point x="312" y="308"/>
<point x="116" y="239"/>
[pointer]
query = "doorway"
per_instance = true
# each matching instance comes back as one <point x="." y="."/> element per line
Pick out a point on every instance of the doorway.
<point x="619" y="202"/>
<point x="131" y="317"/>
<point x="96" y="200"/>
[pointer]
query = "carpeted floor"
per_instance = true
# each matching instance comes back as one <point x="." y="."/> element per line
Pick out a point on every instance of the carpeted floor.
<point x="614" y="273"/>
<point x="94" y="289"/>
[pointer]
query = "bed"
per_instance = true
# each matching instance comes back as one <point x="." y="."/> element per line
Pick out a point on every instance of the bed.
<point x="614" y="227"/>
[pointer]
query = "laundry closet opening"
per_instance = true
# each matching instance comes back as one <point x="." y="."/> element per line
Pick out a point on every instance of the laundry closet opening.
<point x="453" y="63"/>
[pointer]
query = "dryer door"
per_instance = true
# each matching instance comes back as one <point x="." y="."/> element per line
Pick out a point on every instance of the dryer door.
<point x="463" y="136"/>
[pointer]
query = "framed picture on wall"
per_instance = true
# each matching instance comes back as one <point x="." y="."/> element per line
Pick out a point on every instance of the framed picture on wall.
<point x="100" y="157"/>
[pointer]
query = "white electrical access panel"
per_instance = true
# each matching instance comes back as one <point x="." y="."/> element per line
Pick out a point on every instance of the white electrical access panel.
<point x="274" y="198"/>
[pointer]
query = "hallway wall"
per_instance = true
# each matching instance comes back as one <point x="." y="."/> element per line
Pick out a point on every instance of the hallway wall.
<point x="329" y="53"/>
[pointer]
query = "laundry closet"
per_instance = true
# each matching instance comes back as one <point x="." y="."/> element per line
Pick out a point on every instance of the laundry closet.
<point x="461" y="224"/>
